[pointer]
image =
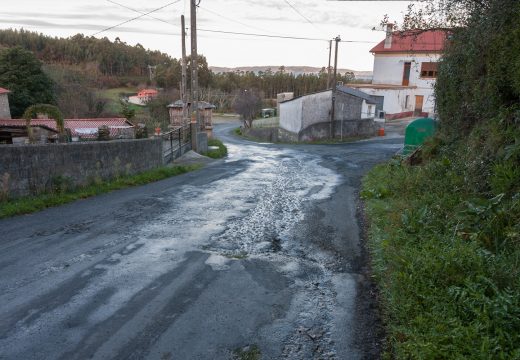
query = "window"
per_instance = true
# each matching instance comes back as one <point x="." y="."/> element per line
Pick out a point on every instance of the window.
<point x="429" y="70"/>
<point x="406" y="101"/>
<point x="406" y="73"/>
<point x="369" y="110"/>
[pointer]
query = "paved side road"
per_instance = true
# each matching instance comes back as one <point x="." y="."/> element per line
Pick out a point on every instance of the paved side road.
<point x="258" y="251"/>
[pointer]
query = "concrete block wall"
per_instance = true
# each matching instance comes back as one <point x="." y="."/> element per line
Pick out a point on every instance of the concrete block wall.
<point x="36" y="168"/>
<point x="321" y="131"/>
<point x="342" y="129"/>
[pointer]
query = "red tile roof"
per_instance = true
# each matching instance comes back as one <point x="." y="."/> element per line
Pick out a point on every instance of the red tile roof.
<point x="147" y="93"/>
<point x="4" y="91"/>
<point x="414" y="41"/>
<point x="83" y="127"/>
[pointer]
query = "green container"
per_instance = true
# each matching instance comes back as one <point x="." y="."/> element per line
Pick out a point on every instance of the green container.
<point x="417" y="132"/>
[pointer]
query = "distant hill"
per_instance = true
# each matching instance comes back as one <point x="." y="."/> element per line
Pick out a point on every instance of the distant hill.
<point x="367" y="75"/>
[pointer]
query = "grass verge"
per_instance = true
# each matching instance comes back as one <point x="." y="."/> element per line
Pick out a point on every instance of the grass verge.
<point x="218" y="153"/>
<point x="30" y="204"/>
<point x="447" y="262"/>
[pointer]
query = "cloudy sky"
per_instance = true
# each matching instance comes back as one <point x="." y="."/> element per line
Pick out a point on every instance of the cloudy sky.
<point x="317" y="20"/>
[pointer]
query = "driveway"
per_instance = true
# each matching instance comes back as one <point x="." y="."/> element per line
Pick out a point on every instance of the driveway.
<point x="259" y="252"/>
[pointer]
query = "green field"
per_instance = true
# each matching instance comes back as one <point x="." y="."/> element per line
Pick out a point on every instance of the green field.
<point x="114" y="95"/>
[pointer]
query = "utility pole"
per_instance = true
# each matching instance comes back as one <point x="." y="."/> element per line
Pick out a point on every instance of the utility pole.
<point x="184" y="85"/>
<point x="334" y="85"/>
<point x="328" y="68"/>
<point x="151" y="69"/>
<point x="194" y="75"/>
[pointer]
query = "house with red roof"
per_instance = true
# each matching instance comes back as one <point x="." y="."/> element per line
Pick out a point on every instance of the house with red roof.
<point x="5" y="111"/>
<point x="45" y="129"/>
<point x="143" y="96"/>
<point x="405" y="70"/>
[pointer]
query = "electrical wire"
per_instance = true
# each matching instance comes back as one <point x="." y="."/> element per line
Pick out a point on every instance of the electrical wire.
<point x="299" y="13"/>
<point x="217" y="31"/>
<point x="140" y="12"/>
<point x="135" y="18"/>
<point x="261" y="35"/>
<point x="283" y="37"/>
<point x="233" y="20"/>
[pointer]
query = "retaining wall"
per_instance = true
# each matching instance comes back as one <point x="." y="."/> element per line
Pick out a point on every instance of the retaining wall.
<point x="30" y="169"/>
<point x="320" y="131"/>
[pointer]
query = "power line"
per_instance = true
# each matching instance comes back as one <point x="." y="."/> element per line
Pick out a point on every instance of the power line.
<point x="284" y="37"/>
<point x="217" y="31"/>
<point x="135" y="18"/>
<point x="233" y="20"/>
<point x="140" y="12"/>
<point x="299" y="13"/>
<point x="263" y="35"/>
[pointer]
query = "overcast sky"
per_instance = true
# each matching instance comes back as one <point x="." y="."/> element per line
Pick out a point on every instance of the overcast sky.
<point x="316" y="19"/>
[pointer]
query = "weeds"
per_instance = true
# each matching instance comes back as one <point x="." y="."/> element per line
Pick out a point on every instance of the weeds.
<point x="216" y="154"/>
<point x="4" y="187"/>
<point x="446" y="255"/>
<point x="251" y="352"/>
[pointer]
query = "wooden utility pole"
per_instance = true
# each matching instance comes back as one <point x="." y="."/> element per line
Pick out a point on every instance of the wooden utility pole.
<point x="151" y="70"/>
<point x="334" y="86"/>
<point x="328" y="68"/>
<point x="194" y="74"/>
<point x="184" y="85"/>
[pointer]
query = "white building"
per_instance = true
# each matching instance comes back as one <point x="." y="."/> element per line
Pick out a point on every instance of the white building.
<point x="405" y="69"/>
<point x="308" y="117"/>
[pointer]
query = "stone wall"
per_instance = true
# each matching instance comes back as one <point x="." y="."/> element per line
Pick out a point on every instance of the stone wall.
<point x="36" y="168"/>
<point x="5" y="111"/>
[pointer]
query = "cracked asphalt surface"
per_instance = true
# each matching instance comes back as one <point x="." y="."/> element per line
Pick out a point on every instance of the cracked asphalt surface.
<point x="261" y="249"/>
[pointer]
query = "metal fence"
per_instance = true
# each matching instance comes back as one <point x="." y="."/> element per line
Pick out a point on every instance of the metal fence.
<point x="175" y="143"/>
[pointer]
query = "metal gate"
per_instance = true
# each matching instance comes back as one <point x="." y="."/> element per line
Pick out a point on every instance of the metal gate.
<point x="175" y="143"/>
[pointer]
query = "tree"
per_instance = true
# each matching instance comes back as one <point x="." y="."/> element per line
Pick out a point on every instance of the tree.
<point x="158" y="108"/>
<point x="126" y="111"/>
<point x="21" y="72"/>
<point x="247" y="105"/>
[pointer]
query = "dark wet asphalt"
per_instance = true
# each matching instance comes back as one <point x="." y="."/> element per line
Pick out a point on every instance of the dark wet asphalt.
<point x="261" y="249"/>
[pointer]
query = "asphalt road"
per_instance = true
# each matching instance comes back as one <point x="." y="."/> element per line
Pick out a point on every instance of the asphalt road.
<point x="261" y="250"/>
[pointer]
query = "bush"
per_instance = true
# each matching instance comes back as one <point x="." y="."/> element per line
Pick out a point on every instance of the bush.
<point x="216" y="154"/>
<point x="446" y="261"/>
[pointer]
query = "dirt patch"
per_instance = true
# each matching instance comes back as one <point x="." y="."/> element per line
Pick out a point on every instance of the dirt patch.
<point x="370" y="331"/>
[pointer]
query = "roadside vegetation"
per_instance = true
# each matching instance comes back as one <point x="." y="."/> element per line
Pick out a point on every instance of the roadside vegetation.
<point x="63" y="192"/>
<point x="217" y="153"/>
<point x="444" y="235"/>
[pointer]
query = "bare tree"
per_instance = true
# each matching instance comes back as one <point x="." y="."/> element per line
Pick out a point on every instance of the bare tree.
<point x="248" y="104"/>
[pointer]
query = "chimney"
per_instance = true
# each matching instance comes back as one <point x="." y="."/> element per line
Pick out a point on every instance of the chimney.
<point x="388" y="39"/>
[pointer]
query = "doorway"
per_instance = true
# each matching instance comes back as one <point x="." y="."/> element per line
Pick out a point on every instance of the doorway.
<point x="419" y="99"/>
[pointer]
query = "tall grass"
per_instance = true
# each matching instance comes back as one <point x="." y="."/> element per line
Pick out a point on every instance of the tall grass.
<point x="217" y="153"/>
<point x="446" y="256"/>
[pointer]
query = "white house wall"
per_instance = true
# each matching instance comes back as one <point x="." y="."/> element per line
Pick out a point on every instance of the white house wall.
<point x="395" y="99"/>
<point x="316" y="108"/>
<point x="389" y="68"/>
<point x="367" y="110"/>
<point x="291" y="115"/>
<point x="300" y="113"/>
